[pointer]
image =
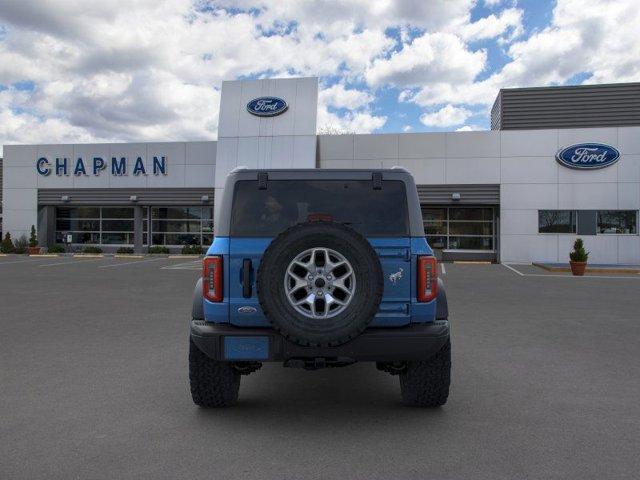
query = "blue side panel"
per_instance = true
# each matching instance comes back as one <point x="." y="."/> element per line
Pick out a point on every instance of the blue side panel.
<point x="246" y="348"/>
<point x="220" y="246"/>
<point x="245" y="312"/>
<point x="395" y="258"/>
<point x="219" y="312"/>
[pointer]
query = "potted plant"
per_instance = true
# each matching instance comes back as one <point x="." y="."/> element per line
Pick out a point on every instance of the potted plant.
<point x="33" y="249"/>
<point x="578" y="258"/>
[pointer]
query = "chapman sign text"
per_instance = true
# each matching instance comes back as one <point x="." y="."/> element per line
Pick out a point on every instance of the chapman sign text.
<point x="118" y="166"/>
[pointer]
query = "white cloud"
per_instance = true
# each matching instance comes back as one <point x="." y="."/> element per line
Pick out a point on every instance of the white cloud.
<point x="351" y="122"/>
<point x="447" y="116"/>
<point x="151" y="71"/>
<point x="509" y="22"/>
<point x="357" y="119"/>
<point x="432" y="14"/>
<point x="407" y="128"/>
<point x="596" y="38"/>
<point x="432" y="57"/>
<point x="469" y="128"/>
<point x="340" y="97"/>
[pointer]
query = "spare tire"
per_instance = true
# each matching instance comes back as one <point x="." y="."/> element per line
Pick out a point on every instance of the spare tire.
<point x="320" y="283"/>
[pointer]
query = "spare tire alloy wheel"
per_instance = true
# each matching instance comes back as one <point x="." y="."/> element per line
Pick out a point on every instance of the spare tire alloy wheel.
<point x="320" y="283"/>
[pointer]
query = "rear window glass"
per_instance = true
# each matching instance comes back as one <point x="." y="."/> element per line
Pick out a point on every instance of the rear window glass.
<point x="266" y="213"/>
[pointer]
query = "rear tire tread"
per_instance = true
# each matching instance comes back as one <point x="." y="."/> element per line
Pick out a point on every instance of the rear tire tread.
<point x="213" y="383"/>
<point x="425" y="383"/>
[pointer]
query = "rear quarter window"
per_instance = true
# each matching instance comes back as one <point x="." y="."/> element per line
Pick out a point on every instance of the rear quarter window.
<point x="266" y="213"/>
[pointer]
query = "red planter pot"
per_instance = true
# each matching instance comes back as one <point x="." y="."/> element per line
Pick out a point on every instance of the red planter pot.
<point x="578" y="268"/>
<point x="33" y="250"/>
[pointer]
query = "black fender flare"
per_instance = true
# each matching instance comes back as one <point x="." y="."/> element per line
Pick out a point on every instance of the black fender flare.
<point x="442" y="307"/>
<point x="197" y="308"/>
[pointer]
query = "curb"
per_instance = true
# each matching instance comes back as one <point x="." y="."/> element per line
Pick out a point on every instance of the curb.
<point x="185" y="256"/>
<point x="88" y="255"/>
<point x="589" y="269"/>
<point x="472" y="262"/>
<point x="127" y="255"/>
<point x="45" y="255"/>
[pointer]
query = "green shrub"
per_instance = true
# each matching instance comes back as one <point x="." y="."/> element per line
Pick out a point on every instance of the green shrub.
<point x="21" y="244"/>
<point x="158" y="249"/>
<point x="33" y="238"/>
<point x="57" y="248"/>
<point x="125" y="250"/>
<point x="192" y="250"/>
<point x="7" y="244"/>
<point x="579" y="254"/>
<point x="91" y="249"/>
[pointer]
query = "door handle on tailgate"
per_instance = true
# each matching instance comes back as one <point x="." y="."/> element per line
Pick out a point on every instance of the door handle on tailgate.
<point x="404" y="254"/>
<point x="246" y="278"/>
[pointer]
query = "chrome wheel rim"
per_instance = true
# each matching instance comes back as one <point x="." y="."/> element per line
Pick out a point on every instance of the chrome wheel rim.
<point x="319" y="283"/>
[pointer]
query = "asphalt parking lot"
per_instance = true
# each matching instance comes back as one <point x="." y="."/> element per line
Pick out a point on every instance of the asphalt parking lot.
<point x="93" y="385"/>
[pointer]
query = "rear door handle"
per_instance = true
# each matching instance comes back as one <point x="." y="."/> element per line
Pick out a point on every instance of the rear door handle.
<point x="403" y="254"/>
<point x="246" y="278"/>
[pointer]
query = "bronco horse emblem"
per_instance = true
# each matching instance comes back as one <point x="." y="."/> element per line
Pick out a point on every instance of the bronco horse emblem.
<point x="394" y="277"/>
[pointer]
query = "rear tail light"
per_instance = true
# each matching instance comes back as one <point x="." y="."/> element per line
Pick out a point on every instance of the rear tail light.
<point x="427" y="278"/>
<point x="212" y="279"/>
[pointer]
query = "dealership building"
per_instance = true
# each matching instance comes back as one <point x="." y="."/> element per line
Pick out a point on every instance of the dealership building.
<point x="558" y="163"/>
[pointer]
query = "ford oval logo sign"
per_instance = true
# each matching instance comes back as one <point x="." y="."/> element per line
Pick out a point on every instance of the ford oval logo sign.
<point x="267" y="106"/>
<point x="588" y="156"/>
<point x="247" y="309"/>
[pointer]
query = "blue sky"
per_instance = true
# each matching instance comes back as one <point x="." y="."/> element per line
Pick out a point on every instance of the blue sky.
<point x="77" y="71"/>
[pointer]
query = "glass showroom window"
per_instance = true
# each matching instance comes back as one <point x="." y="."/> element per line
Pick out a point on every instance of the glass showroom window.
<point x="435" y="226"/>
<point x="95" y="225"/>
<point x="618" y="221"/>
<point x="117" y="226"/>
<point x="181" y="225"/>
<point x="556" y="221"/>
<point x="459" y="228"/>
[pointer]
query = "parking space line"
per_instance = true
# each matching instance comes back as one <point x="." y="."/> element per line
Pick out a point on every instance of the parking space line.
<point x="30" y="260"/>
<point x="551" y="275"/>
<point x="444" y="271"/>
<point x="72" y="262"/>
<point x="129" y="263"/>
<point x="195" y="265"/>
<point x="513" y="269"/>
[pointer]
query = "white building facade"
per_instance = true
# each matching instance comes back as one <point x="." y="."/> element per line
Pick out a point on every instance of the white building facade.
<point x="500" y="195"/>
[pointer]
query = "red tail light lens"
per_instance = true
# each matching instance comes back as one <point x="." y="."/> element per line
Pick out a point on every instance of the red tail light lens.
<point x="212" y="279"/>
<point x="427" y="279"/>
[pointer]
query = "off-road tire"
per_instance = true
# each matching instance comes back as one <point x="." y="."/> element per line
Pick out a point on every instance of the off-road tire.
<point x="425" y="383"/>
<point x="213" y="383"/>
<point x="342" y="327"/>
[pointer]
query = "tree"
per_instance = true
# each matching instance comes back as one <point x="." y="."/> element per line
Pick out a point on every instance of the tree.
<point x="7" y="244"/>
<point x="33" y="237"/>
<point x="579" y="254"/>
<point x="331" y="129"/>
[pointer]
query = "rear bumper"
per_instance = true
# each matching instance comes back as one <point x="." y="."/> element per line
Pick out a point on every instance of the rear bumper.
<point x="229" y="343"/>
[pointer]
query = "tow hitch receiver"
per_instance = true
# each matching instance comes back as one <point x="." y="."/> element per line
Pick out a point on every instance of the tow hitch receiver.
<point x="318" y="362"/>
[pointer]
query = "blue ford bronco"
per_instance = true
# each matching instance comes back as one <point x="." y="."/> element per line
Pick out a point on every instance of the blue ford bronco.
<point x="319" y="268"/>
